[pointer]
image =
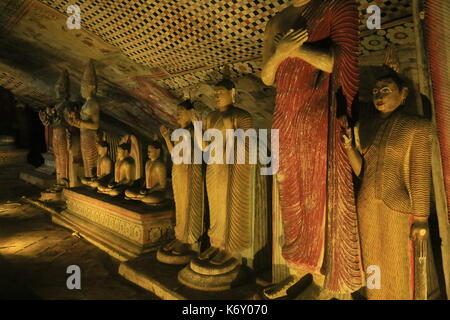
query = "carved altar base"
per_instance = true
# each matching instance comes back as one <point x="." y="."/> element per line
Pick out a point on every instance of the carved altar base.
<point x="123" y="228"/>
<point x="12" y="160"/>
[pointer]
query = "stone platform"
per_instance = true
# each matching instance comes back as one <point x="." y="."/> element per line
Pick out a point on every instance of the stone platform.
<point x="10" y="156"/>
<point x="12" y="162"/>
<point x="162" y="280"/>
<point x="38" y="178"/>
<point x="44" y="176"/>
<point x="124" y="229"/>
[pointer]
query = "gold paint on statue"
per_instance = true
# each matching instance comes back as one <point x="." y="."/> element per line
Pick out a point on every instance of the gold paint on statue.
<point x="125" y="172"/>
<point x="104" y="167"/>
<point x="229" y="189"/>
<point x="392" y="155"/>
<point x="187" y="184"/>
<point x="88" y="120"/>
<point x="154" y="189"/>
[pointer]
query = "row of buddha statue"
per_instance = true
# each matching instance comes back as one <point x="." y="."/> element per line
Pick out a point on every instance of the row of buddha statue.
<point x="330" y="229"/>
<point x="122" y="178"/>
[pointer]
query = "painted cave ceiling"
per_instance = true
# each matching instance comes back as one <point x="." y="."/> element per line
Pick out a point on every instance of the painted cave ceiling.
<point x="151" y="54"/>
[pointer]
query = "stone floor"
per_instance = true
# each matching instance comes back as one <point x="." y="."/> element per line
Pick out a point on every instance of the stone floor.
<point x="35" y="254"/>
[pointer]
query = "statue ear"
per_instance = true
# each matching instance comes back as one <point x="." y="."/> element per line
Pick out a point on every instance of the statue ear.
<point x="233" y="95"/>
<point x="405" y="92"/>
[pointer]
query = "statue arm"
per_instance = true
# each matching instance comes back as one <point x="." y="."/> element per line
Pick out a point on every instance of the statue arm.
<point x="420" y="171"/>
<point x="128" y="170"/>
<point x="161" y="172"/>
<point x="198" y="139"/>
<point x="108" y="167"/>
<point x="269" y="62"/>
<point x="354" y="156"/>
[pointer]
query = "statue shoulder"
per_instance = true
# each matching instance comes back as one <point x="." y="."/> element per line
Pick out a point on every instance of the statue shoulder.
<point x="415" y="122"/>
<point x="159" y="164"/>
<point x="129" y="161"/>
<point x="242" y="115"/>
<point x="241" y="112"/>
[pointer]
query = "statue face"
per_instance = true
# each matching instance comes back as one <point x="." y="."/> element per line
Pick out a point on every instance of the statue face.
<point x="224" y="97"/>
<point x="102" y="150"/>
<point x="121" y="153"/>
<point x="153" y="153"/>
<point x="183" y="117"/>
<point x="387" y="96"/>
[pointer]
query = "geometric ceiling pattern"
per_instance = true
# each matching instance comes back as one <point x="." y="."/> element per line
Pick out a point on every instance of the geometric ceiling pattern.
<point x="187" y="42"/>
<point x="153" y="50"/>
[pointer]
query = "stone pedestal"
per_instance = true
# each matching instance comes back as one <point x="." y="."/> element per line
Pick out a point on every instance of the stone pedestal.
<point x="123" y="228"/>
<point x="12" y="160"/>
<point x="44" y="176"/>
<point x="162" y="279"/>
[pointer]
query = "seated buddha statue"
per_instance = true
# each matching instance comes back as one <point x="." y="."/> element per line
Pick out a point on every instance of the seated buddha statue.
<point x="124" y="173"/>
<point x="154" y="187"/>
<point x="104" y="167"/>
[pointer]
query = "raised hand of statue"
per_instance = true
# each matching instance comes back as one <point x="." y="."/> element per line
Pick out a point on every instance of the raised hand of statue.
<point x="73" y="119"/>
<point x="346" y="130"/>
<point x="196" y="116"/>
<point x="43" y="116"/>
<point x="291" y="41"/>
<point x="165" y="132"/>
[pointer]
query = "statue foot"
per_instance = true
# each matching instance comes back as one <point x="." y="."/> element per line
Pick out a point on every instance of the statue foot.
<point x="56" y="188"/>
<point x="208" y="253"/>
<point x="280" y="289"/>
<point x="181" y="248"/>
<point x="221" y="257"/>
<point x="170" y="245"/>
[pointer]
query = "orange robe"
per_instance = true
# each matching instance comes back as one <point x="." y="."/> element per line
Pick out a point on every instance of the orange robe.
<point x="315" y="179"/>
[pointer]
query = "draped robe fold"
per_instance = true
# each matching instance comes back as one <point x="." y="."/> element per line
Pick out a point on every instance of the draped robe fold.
<point x="315" y="179"/>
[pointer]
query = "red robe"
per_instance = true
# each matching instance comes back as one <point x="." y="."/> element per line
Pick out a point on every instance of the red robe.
<point x="315" y="179"/>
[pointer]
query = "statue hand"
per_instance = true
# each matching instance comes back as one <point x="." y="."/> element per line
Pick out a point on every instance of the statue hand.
<point x="44" y="118"/>
<point x="291" y="41"/>
<point x="196" y="117"/>
<point x="346" y="130"/>
<point x="164" y="132"/>
<point x="419" y="230"/>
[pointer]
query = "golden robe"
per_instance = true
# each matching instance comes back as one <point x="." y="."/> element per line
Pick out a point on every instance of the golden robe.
<point x="396" y="186"/>
<point x="188" y="191"/>
<point x="230" y="188"/>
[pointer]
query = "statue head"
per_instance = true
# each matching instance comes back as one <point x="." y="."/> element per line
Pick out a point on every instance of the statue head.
<point x="225" y="92"/>
<point x="102" y="148"/>
<point x="154" y="150"/>
<point x="389" y="93"/>
<point x="89" y="82"/>
<point x="123" y="150"/>
<point x="62" y="86"/>
<point x="184" y="114"/>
